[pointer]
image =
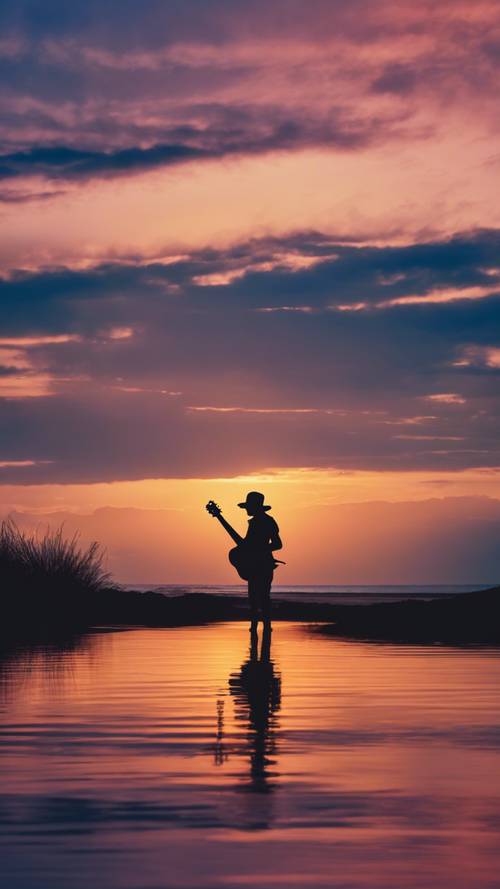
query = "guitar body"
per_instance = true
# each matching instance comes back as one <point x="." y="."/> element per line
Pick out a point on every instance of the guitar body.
<point x="247" y="564"/>
<point x="240" y="561"/>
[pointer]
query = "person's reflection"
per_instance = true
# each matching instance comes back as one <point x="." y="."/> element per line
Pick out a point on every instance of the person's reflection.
<point x="257" y="693"/>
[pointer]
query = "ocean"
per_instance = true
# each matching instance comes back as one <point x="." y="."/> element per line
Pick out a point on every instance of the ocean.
<point x="330" y="594"/>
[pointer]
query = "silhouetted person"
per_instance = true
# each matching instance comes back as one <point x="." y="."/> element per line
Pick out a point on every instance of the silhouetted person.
<point x="253" y="554"/>
<point x="257" y="692"/>
<point x="262" y="539"/>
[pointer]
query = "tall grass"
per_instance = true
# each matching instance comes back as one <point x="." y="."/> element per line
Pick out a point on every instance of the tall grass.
<point x="50" y="560"/>
<point x="47" y="577"/>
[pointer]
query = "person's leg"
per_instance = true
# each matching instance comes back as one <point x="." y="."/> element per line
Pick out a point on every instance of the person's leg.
<point x="253" y="599"/>
<point x="265" y="600"/>
<point x="254" y="645"/>
<point x="265" y="652"/>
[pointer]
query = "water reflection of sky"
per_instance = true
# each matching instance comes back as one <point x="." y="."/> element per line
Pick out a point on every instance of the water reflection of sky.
<point x="191" y="757"/>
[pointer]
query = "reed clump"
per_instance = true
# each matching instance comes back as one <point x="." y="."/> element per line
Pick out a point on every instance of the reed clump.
<point x="48" y="579"/>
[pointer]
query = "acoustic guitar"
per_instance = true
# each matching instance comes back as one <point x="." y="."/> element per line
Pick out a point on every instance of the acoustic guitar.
<point x="239" y="556"/>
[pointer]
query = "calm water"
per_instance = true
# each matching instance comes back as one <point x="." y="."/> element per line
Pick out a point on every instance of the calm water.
<point x="160" y="759"/>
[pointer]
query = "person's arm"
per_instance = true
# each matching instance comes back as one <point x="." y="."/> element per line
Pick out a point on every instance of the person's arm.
<point x="238" y="539"/>
<point x="276" y="542"/>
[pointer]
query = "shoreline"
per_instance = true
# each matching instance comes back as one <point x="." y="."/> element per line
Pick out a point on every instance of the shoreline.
<point x="465" y="617"/>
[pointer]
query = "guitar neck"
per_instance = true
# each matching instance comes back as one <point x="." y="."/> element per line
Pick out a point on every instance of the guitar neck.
<point x="232" y="533"/>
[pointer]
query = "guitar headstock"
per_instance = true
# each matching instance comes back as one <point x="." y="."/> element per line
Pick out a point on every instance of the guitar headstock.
<point x="213" y="508"/>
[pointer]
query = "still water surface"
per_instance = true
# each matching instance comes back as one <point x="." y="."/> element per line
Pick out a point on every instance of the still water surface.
<point x="160" y="759"/>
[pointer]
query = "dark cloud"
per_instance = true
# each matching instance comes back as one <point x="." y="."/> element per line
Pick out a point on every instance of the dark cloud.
<point x="115" y="88"/>
<point x="68" y="163"/>
<point x="250" y="133"/>
<point x="492" y="50"/>
<point x="396" y="78"/>
<point x="142" y="331"/>
<point x="26" y="197"/>
<point x="6" y="371"/>
<point x="122" y="24"/>
<point x="340" y="275"/>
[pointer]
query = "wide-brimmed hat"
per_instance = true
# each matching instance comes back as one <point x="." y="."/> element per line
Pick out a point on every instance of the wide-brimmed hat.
<point x="254" y="500"/>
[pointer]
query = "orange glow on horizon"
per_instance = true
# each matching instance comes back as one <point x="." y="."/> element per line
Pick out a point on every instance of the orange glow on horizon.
<point x="151" y="527"/>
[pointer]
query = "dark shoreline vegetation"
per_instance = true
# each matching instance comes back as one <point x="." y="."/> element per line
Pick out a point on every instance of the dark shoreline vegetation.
<point x="49" y="584"/>
<point x="53" y="590"/>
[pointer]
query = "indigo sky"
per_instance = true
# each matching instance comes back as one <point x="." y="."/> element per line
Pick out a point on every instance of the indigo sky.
<point x="249" y="239"/>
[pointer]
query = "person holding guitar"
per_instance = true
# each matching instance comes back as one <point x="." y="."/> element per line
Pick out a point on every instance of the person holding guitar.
<point x="253" y="554"/>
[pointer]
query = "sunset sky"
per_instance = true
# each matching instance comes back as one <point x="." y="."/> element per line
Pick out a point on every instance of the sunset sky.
<point x="254" y="245"/>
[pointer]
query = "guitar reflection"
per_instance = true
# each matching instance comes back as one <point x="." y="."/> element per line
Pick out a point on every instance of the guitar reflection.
<point x="257" y="693"/>
<point x="220" y="752"/>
